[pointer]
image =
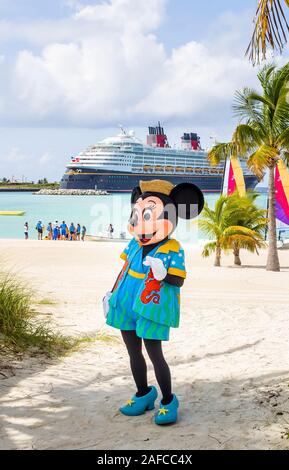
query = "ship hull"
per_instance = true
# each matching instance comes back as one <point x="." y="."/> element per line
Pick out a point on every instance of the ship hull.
<point x="125" y="182"/>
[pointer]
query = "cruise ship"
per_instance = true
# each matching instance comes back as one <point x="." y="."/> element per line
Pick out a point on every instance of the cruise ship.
<point x="117" y="164"/>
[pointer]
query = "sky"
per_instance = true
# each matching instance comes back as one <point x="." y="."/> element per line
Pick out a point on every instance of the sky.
<point x="71" y="71"/>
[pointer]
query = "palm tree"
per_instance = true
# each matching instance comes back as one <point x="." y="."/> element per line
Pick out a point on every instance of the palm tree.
<point x="221" y="225"/>
<point x="271" y="29"/>
<point x="248" y="215"/>
<point x="262" y="138"/>
<point x="213" y="224"/>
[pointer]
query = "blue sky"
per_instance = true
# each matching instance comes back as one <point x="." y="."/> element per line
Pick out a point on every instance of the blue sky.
<point x="71" y="71"/>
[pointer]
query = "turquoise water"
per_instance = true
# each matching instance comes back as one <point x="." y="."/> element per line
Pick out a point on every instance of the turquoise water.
<point x="96" y="213"/>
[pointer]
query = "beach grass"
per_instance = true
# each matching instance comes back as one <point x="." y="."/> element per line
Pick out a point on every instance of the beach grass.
<point x="20" y="330"/>
<point x="84" y="341"/>
<point x="46" y="302"/>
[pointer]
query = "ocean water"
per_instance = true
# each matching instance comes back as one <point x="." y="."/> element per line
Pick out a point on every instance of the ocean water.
<point x="95" y="212"/>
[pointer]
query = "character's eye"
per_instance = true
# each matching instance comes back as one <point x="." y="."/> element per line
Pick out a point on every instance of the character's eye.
<point x="147" y="214"/>
<point x="133" y="218"/>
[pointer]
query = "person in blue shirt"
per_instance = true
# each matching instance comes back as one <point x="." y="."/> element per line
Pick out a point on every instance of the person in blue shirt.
<point x="78" y="231"/>
<point x="83" y="233"/>
<point x="39" y="228"/>
<point x="72" y="231"/>
<point x="56" y="232"/>
<point x="145" y="300"/>
<point x="49" y="231"/>
<point x="63" y="230"/>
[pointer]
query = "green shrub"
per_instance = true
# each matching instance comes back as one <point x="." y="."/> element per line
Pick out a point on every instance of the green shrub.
<point x="20" y="330"/>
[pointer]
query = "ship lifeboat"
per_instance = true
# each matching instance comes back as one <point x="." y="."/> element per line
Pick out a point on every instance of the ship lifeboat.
<point x="71" y="172"/>
<point x="159" y="168"/>
<point x="189" y="169"/>
<point x="180" y="169"/>
<point x="198" y="170"/>
<point x="147" y="168"/>
<point x="169" y="168"/>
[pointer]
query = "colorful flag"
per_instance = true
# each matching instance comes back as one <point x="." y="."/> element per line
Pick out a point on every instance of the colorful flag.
<point x="236" y="180"/>
<point x="282" y="192"/>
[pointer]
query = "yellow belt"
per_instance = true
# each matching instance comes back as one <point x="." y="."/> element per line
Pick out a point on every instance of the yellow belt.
<point x="135" y="274"/>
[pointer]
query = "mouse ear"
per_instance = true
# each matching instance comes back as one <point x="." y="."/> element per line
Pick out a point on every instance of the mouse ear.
<point x="189" y="200"/>
<point x="136" y="192"/>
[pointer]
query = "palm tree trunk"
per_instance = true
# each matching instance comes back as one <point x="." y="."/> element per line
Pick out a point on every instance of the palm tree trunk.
<point x="273" y="258"/>
<point x="218" y="256"/>
<point x="237" y="259"/>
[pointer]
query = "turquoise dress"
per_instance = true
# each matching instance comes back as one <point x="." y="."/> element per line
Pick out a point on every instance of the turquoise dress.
<point x="141" y="303"/>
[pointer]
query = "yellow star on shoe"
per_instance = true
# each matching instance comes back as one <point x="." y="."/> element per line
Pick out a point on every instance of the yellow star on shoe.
<point x="130" y="402"/>
<point x="163" y="411"/>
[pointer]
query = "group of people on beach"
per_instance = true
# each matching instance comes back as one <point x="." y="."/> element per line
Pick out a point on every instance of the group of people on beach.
<point x="57" y="231"/>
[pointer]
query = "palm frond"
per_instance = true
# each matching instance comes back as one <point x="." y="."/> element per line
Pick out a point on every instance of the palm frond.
<point x="285" y="157"/>
<point x="264" y="76"/>
<point x="271" y="29"/>
<point x="245" y="107"/>
<point x="280" y="119"/>
<point x="209" y="248"/>
<point x="246" y="138"/>
<point x="276" y="81"/>
<point x="221" y="151"/>
<point x="283" y="139"/>
<point x="261" y="159"/>
<point x="240" y="231"/>
<point x="209" y="228"/>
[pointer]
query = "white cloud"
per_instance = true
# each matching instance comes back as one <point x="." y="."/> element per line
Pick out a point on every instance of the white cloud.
<point x="74" y="4"/>
<point x="16" y="155"/>
<point x="136" y="15"/>
<point x="196" y="82"/>
<point x="105" y="65"/>
<point x="18" y="162"/>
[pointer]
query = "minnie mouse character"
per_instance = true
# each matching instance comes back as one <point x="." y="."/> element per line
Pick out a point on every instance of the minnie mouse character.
<point x="145" y="301"/>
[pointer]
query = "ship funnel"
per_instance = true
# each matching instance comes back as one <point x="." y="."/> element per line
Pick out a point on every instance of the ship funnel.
<point x="157" y="137"/>
<point x="191" y="141"/>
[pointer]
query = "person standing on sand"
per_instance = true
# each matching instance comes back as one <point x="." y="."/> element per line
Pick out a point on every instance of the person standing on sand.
<point x="56" y="232"/>
<point x="72" y="231"/>
<point x="63" y="230"/>
<point x="26" y="229"/>
<point x="145" y="300"/>
<point x="83" y="233"/>
<point x="39" y="228"/>
<point x="110" y="231"/>
<point x="78" y="230"/>
<point x="49" y="231"/>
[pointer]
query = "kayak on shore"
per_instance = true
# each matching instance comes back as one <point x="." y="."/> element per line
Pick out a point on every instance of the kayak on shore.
<point x="14" y="213"/>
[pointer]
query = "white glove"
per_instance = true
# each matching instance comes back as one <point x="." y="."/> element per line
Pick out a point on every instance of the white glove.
<point x="158" y="269"/>
<point x="105" y="303"/>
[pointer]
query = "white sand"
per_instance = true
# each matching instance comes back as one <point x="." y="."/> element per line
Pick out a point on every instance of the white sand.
<point x="229" y="360"/>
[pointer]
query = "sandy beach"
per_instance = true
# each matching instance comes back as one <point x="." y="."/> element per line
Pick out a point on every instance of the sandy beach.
<point x="229" y="359"/>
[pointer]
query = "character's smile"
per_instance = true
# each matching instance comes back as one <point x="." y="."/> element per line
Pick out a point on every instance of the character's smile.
<point x="146" y="238"/>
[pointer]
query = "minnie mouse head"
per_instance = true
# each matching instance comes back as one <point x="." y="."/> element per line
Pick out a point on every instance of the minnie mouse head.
<point x="156" y="207"/>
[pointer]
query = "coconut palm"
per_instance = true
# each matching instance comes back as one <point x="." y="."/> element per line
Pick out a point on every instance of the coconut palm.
<point x="213" y="223"/>
<point x="262" y="138"/>
<point x="221" y="226"/>
<point x="271" y="29"/>
<point x="248" y="215"/>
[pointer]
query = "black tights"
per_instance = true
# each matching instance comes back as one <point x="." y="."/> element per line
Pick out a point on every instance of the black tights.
<point x="139" y="368"/>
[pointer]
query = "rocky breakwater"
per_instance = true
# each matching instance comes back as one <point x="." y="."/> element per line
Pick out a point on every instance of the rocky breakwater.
<point x="70" y="192"/>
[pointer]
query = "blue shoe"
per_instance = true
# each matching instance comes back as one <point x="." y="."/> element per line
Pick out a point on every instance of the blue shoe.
<point x="167" y="414"/>
<point x="139" y="405"/>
